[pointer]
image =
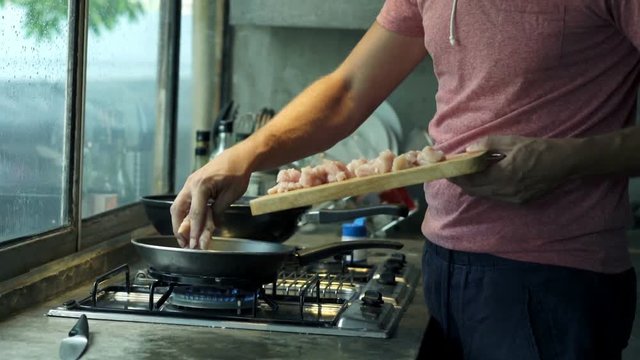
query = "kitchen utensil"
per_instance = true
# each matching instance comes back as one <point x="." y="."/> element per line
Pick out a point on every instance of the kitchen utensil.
<point x="240" y="262"/>
<point x="244" y="126"/>
<point x="238" y="222"/>
<point x="264" y="116"/>
<point x="224" y="114"/>
<point x="74" y="346"/>
<point x="456" y="165"/>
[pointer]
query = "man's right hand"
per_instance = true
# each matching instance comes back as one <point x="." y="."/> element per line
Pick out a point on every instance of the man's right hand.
<point x="222" y="181"/>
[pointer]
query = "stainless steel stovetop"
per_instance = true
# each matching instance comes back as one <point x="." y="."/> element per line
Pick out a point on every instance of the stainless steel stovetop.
<point x="329" y="298"/>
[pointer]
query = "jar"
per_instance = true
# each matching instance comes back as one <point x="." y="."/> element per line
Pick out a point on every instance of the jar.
<point x="357" y="230"/>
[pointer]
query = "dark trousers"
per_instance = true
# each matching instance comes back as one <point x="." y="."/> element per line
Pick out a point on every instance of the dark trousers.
<point x="485" y="307"/>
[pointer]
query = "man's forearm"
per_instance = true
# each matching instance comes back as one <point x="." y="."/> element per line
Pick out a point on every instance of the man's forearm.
<point x="609" y="154"/>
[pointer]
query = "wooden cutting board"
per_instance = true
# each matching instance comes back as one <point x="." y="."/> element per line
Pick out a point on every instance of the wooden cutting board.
<point x="455" y="165"/>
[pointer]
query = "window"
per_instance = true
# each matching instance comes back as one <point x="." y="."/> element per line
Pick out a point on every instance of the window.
<point x="121" y="113"/>
<point x="33" y="136"/>
<point x="88" y="120"/>
<point x="89" y="116"/>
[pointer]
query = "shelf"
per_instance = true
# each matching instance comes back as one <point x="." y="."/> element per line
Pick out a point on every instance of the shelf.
<point x="326" y="14"/>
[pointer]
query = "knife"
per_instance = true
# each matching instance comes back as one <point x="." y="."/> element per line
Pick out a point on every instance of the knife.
<point x="74" y="346"/>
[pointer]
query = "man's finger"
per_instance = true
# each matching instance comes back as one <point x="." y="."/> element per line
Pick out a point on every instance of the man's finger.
<point x="208" y="230"/>
<point x="183" y="232"/>
<point x="179" y="210"/>
<point x="198" y="213"/>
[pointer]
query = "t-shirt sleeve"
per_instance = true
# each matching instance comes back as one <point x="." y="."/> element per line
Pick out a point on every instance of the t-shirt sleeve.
<point x="401" y="16"/>
<point x="626" y="15"/>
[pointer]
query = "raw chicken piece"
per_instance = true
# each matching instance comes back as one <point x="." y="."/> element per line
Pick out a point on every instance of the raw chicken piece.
<point x="288" y="175"/>
<point x="380" y="165"/>
<point x="284" y="187"/>
<point x="401" y="162"/>
<point x="366" y="169"/>
<point x="384" y="162"/>
<point x="313" y="176"/>
<point x="413" y="158"/>
<point x="333" y="171"/>
<point x="356" y="163"/>
<point x="336" y="171"/>
<point x="429" y="156"/>
<point x="286" y="180"/>
<point x="406" y="160"/>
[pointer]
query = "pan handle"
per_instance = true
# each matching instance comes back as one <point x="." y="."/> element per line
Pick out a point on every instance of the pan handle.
<point x="329" y="216"/>
<point x="306" y="256"/>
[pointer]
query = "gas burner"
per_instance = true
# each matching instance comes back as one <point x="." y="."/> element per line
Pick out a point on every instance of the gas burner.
<point x="197" y="280"/>
<point x="330" y="267"/>
<point x="210" y="298"/>
<point x="358" y="271"/>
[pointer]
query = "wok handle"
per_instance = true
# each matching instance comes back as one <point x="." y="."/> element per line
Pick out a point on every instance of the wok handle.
<point x="306" y="256"/>
<point x="329" y="216"/>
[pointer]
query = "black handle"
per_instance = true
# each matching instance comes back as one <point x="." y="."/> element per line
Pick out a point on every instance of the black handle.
<point x="81" y="327"/>
<point x="329" y="216"/>
<point x="306" y="256"/>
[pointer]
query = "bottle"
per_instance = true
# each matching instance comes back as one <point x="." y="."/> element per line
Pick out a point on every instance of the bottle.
<point x="225" y="139"/>
<point x="202" y="149"/>
<point x="357" y="230"/>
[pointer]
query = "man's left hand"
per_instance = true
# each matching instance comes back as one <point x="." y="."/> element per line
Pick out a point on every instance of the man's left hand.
<point x="531" y="168"/>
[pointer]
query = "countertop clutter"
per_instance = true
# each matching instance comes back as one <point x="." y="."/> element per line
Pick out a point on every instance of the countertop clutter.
<point x="33" y="335"/>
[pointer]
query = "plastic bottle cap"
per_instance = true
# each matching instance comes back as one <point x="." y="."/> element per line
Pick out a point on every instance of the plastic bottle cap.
<point x="203" y="135"/>
<point x="356" y="229"/>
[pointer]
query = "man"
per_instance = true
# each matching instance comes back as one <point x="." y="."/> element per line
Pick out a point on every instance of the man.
<point x="527" y="259"/>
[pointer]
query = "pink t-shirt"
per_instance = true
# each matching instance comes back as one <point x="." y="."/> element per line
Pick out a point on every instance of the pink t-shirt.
<point x="546" y="68"/>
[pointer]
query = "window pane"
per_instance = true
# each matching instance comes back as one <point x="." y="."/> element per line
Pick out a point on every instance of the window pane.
<point x="120" y="113"/>
<point x="186" y="135"/>
<point x="33" y="155"/>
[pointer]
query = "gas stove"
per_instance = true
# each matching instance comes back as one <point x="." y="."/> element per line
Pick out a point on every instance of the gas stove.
<point x="330" y="298"/>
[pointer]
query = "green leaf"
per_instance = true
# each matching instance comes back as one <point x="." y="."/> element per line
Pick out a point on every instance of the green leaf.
<point x="46" y="18"/>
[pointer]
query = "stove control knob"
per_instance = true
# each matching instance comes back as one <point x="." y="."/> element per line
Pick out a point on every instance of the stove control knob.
<point x="399" y="257"/>
<point x="71" y="304"/>
<point x="372" y="298"/>
<point x="387" y="278"/>
<point x="395" y="262"/>
<point x="392" y="266"/>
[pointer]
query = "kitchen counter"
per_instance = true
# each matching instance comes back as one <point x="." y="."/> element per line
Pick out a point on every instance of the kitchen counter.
<point x="33" y="335"/>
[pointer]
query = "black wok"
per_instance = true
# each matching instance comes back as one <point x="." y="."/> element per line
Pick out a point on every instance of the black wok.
<point x="238" y="222"/>
<point x="245" y="261"/>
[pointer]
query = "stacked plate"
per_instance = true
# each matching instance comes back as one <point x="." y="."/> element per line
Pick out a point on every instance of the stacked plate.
<point x="381" y="131"/>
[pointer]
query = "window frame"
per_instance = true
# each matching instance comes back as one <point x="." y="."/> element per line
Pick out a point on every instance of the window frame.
<point x="22" y="254"/>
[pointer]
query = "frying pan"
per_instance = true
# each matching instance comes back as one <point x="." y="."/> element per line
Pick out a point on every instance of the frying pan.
<point x="245" y="261"/>
<point x="238" y="222"/>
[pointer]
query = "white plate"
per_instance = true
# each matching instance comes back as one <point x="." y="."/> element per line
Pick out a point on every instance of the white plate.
<point x="372" y="137"/>
<point x="390" y="118"/>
